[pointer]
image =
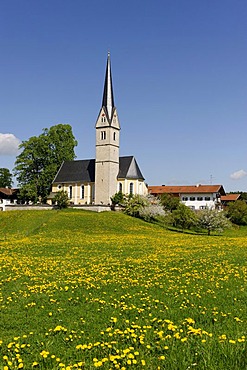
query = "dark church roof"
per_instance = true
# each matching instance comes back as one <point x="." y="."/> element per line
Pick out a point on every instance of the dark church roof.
<point x="129" y="169"/>
<point x="84" y="170"/>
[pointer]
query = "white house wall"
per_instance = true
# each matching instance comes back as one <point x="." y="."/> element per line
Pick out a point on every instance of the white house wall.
<point x="200" y="204"/>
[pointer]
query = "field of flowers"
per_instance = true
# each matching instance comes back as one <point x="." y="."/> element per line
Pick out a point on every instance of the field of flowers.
<point x="80" y="290"/>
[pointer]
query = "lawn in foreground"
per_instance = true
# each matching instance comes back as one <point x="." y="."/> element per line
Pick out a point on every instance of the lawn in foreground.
<point x="81" y="290"/>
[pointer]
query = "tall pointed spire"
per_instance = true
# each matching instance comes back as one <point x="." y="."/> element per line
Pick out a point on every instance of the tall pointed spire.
<point x="108" y="99"/>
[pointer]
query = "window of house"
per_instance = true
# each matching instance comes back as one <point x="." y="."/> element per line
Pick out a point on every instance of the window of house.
<point x="199" y="198"/>
<point x="203" y="207"/>
<point x="131" y="187"/>
<point x="185" y="199"/>
<point x="120" y="187"/>
<point x="70" y="191"/>
<point x="82" y="192"/>
<point x="207" y="198"/>
<point x="103" y="135"/>
<point x="192" y="198"/>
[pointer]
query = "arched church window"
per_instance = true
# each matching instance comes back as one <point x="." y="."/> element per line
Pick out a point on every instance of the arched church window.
<point x="131" y="187"/>
<point x="82" y="192"/>
<point x="120" y="187"/>
<point x="103" y="135"/>
<point x="114" y="136"/>
<point x="70" y="191"/>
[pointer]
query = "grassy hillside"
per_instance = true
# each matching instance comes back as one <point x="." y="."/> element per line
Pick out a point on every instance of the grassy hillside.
<point x="81" y="290"/>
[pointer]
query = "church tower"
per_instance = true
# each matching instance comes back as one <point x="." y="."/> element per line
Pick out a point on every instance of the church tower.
<point x="107" y="144"/>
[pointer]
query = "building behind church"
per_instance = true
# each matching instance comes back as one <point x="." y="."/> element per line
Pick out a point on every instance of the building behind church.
<point x="95" y="181"/>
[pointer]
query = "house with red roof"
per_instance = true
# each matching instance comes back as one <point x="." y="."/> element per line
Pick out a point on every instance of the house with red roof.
<point x="195" y="197"/>
<point x="230" y="198"/>
<point x="7" y="196"/>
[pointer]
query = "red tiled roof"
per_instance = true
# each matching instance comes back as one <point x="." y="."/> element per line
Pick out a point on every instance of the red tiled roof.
<point x="187" y="189"/>
<point x="8" y="191"/>
<point x="230" y="197"/>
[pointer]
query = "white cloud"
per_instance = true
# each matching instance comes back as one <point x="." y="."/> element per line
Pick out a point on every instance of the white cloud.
<point x="9" y="144"/>
<point x="238" y="175"/>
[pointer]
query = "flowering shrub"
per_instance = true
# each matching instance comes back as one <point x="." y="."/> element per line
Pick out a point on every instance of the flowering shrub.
<point x="151" y="211"/>
<point x="213" y="220"/>
<point x="146" y="207"/>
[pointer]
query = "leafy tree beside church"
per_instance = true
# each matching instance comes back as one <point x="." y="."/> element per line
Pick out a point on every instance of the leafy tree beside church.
<point x="40" y="159"/>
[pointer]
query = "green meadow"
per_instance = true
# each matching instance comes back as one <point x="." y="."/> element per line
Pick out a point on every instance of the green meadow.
<point x="84" y="290"/>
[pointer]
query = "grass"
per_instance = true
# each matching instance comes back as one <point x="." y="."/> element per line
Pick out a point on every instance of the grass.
<point x="81" y="290"/>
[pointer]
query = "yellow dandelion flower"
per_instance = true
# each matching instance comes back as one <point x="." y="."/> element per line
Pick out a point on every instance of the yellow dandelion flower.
<point x="184" y="339"/>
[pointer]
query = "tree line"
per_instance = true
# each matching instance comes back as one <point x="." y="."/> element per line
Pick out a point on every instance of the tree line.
<point x="171" y="211"/>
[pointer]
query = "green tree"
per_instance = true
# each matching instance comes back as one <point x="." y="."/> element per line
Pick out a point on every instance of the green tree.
<point x="5" y="178"/>
<point x="183" y="217"/>
<point x="61" y="199"/>
<point x="243" y="196"/>
<point x="40" y="159"/>
<point x="169" y="202"/>
<point x="134" y="204"/>
<point x="237" y="212"/>
<point x="213" y="220"/>
<point x="116" y="199"/>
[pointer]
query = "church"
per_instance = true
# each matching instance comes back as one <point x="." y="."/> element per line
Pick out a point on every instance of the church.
<point x="95" y="181"/>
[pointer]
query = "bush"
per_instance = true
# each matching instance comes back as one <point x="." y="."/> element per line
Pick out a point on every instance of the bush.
<point x="145" y="207"/>
<point x="151" y="211"/>
<point x="237" y="212"/>
<point x="134" y="204"/>
<point x="169" y="202"/>
<point x="117" y="199"/>
<point x="61" y="199"/>
<point x="183" y="217"/>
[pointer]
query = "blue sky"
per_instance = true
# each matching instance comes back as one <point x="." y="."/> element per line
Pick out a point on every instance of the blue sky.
<point x="179" y="74"/>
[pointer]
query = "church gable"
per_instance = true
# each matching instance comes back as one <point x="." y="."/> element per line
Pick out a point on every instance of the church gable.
<point x="129" y="169"/>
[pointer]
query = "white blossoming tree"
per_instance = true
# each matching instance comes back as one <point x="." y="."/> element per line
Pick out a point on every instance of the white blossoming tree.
<point x="213" y="220"/>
